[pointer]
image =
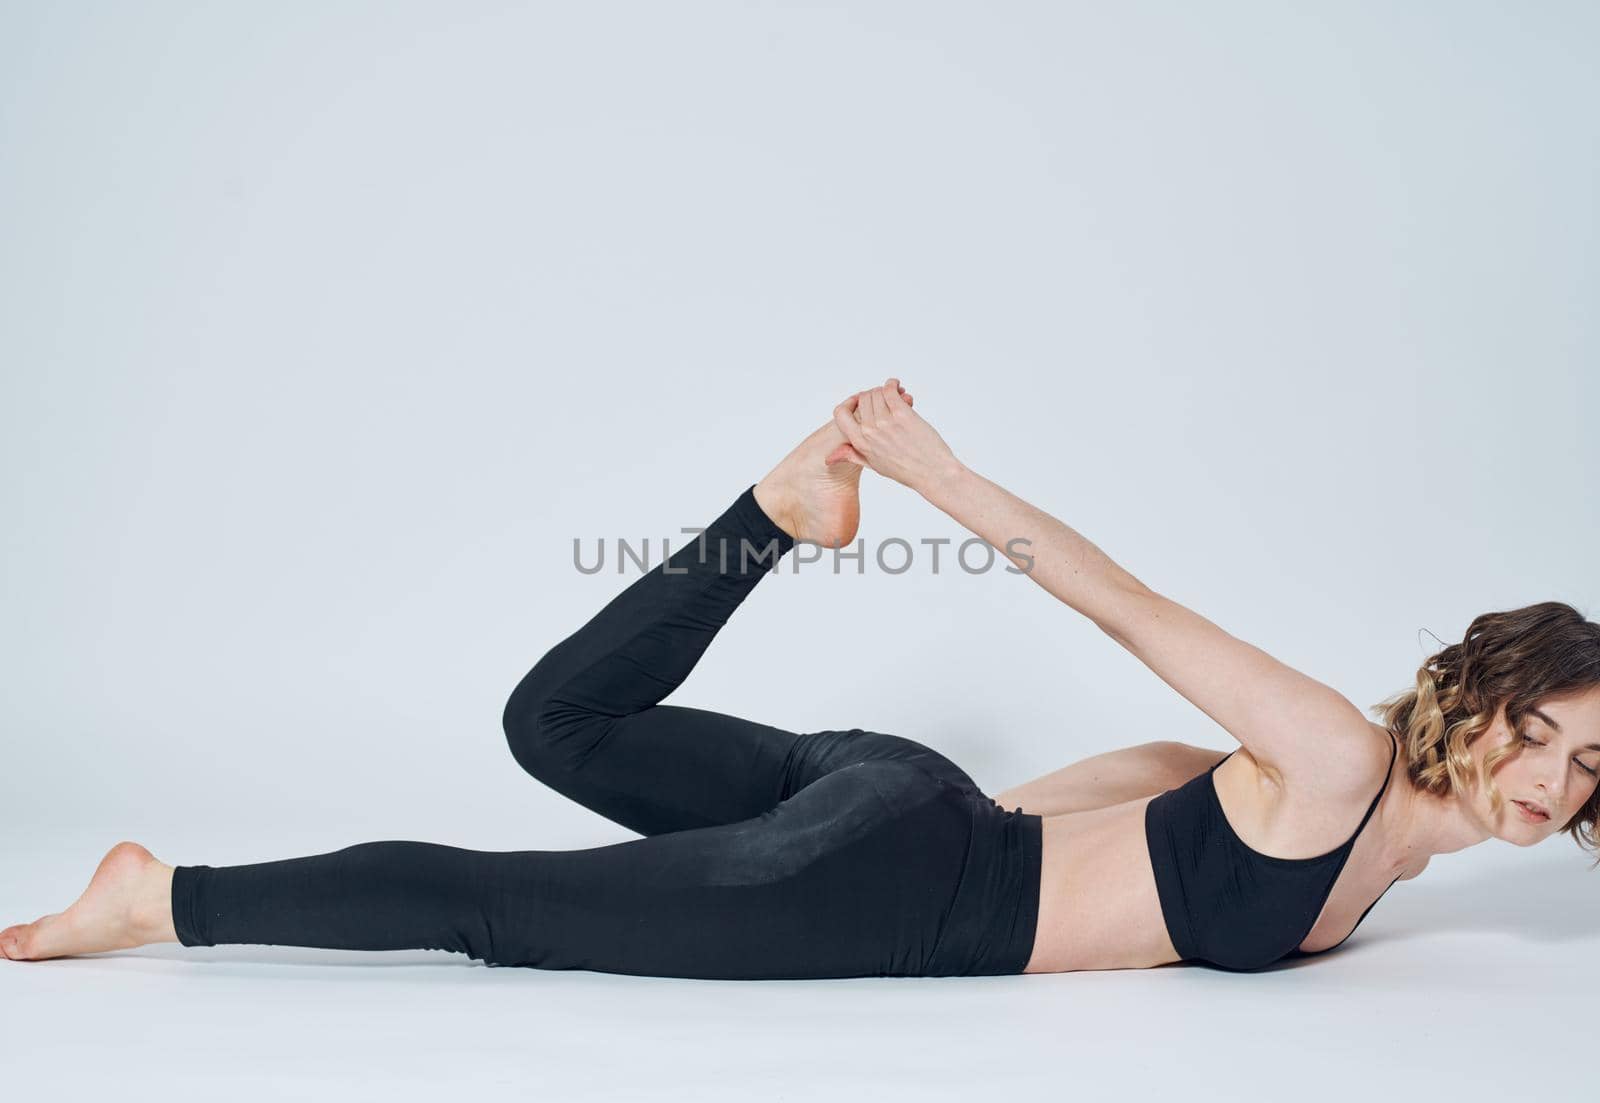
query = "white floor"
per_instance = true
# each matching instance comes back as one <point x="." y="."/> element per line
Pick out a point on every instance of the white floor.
<point x="1476" y="981"/>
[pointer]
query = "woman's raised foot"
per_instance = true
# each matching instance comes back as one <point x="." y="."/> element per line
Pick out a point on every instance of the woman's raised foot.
<point x="811" y="499"/>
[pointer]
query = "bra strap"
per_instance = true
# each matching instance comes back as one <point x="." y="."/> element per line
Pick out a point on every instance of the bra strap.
<point x="1394" y="749"/>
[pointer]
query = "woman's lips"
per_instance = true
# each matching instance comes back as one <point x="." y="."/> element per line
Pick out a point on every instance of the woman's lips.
<point x="1529" y="814"/>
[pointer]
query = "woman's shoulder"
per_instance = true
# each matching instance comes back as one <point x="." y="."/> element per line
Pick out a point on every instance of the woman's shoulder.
<point x="1300" y="816"/>
<point x="1370" y="763"/>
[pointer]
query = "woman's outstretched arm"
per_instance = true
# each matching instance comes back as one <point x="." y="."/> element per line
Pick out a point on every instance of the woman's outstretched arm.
<point x="1056" y="556"/>
<point x="1301" y="733"/>
<point x="896" y="442"/>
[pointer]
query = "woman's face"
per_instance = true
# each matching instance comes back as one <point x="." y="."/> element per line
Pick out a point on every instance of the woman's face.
<point x="1556" y="768"/>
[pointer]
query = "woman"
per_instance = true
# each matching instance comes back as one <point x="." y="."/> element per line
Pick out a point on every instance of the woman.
<point x="770" y="854"/>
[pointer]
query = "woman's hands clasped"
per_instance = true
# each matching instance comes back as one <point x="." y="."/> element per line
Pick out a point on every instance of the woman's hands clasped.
<point x="884" y="433"/>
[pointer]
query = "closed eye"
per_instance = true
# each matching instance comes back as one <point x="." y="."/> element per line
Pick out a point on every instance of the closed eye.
<point x="1575" y="762"/>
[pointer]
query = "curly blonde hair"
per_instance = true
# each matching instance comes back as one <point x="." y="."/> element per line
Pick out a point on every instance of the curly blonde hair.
<point x="1517" y="658"/>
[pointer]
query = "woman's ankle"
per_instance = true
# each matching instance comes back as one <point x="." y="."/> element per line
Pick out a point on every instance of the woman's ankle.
<point x="152" y="914"/>
<point x="776" y="500"/>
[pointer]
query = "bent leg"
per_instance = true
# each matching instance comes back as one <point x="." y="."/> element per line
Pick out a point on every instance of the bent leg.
<point x="853" y="876"/>
<point x="586" y="720"/>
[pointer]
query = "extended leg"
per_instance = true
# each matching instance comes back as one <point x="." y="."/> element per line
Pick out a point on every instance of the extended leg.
<point x="851" y="877"/>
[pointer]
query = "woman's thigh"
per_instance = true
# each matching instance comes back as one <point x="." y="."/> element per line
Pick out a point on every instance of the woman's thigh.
<point x="851" y="876"/>
<point x="673" y="768"/>
<point x="819" y="753"/>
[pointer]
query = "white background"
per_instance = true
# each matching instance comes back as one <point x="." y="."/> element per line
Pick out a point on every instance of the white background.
<point x="326" y="329"/>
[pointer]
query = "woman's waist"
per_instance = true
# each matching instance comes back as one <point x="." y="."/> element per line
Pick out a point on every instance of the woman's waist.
<point x="1098" y="905"/>
<point x="991" y="923"/>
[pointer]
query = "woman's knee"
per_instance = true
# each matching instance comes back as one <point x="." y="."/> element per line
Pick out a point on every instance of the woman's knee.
<point x="537" y="726"/>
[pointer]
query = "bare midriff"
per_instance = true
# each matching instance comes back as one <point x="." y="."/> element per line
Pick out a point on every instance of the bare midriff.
<point x="1098" y="907"/>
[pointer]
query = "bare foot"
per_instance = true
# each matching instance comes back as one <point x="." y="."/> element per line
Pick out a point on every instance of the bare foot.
<point x="811" y="499"/>
<point x="128" y="903"/>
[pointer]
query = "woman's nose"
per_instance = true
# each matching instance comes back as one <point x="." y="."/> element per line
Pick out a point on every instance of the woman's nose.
<point x="1554" y="790"/>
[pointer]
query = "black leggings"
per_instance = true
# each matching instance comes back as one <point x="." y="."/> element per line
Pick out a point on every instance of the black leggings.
<point x="767" y="853"/>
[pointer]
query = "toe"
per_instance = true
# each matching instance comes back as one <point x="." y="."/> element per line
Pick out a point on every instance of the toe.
<point x="12" y="942"/>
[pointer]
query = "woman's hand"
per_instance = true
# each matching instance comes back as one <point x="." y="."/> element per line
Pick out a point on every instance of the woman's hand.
<point x="884" y="433"/>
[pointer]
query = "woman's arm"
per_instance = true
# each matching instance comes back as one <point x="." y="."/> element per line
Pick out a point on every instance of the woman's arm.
<point x="1051" y="553"/>
<point x="1301" y="733"/>
<point x="885" y="434"/>
<point x="1102" y="780"/>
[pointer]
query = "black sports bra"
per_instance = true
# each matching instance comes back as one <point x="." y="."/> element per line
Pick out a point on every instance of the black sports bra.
<point x="1226" y="904"/>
